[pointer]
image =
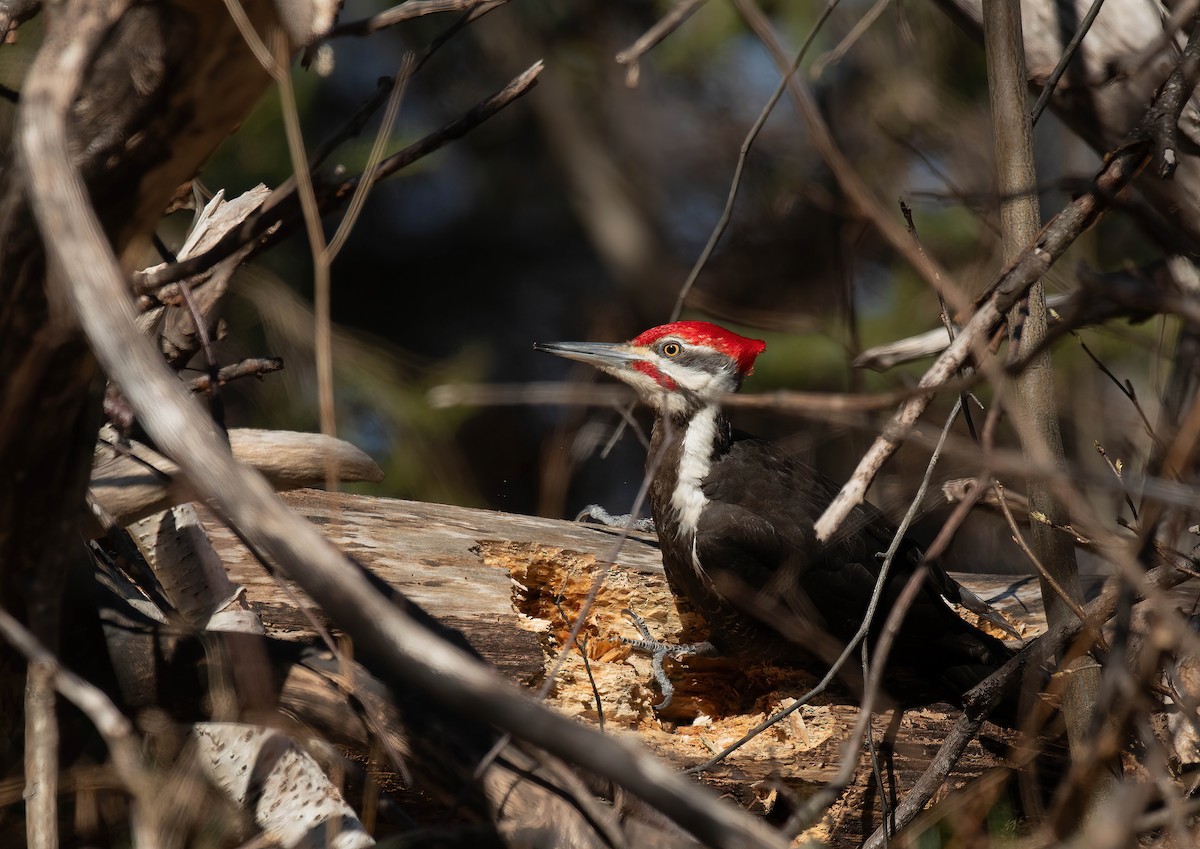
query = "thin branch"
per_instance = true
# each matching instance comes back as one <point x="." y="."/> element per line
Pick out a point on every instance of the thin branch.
<point x="1116" y="470"/>
<point x="1068" y="54"/>
<point x="537" y="393"/>
<point x="251" y="367"/>
<point x="1126" y="387"/>
<point x="1163" y="123"/>
<point x="322" y="284"/>
<point x="988" y="692"/>
<point x="743" y="152"/>
<point x="358" y="122"/>
<point x="849" y="181"/>
<point x="682" y="10"/>
<point x="1060" y="232"/>
<point x="124" y="747"/>
<point x="280" y="213"/>
<point x="359" y="198"/>
<point x="405" y="12"/>
<point x="1019" y="539"/>
<point x="864" y="23"/>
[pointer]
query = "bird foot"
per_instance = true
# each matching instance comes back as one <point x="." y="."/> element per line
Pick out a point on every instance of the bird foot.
<point x="658" y="651"/>
<point x="598" y="514"/>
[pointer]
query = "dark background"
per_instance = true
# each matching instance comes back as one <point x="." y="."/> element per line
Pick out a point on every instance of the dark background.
<point x="577" y="213"/>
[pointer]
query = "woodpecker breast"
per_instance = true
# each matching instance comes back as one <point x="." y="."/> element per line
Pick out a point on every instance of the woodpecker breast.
<point x="695" y="460"/>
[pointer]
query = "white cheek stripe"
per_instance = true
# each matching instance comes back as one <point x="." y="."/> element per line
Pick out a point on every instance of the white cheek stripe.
<point x="688" y="500"/>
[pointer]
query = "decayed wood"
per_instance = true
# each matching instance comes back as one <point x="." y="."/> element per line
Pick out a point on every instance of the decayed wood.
<point x="513" y="584"/>
<point x="178" y="335"/>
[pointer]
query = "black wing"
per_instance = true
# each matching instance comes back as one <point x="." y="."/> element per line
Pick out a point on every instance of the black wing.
<point x="757" y="541"/>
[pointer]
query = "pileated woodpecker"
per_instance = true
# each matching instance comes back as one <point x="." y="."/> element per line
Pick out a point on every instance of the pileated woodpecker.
<point x="734" y="517"/>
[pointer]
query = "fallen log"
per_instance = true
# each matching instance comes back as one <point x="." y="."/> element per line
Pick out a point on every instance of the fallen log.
<point x="515" y="584"/>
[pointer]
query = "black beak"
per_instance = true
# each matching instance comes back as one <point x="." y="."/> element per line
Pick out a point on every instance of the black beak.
<point x="610" y="355"/>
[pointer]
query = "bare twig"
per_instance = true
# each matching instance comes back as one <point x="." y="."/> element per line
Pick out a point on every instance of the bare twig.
<point x="680" y="12"/>
<point x="124" y="748"/>
<point x="1068" y="54"/>
<point x="358" y="122"/>
<point x="988" y="692"/>
<point x="1125" y="387"/>
<point x="864" y="23"/>
<point x="604" y="395"/>
<point x="1019" y="539"/>
<point x="404" y="12"/>
<point x="1062" y="230"/>
<point x="1116" y="470"/>
<point x="250" y="367"/>
<point x="743" y="152"/>
<point x="201" y="326"/>
<point x="281" y="214"/>
<point x="322" y="285"/>
<point x="852" y="185"/>
<point x="359" y="198"/>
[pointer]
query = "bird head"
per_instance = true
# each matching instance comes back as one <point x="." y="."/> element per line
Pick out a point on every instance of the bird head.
<point x="676" y="368"/>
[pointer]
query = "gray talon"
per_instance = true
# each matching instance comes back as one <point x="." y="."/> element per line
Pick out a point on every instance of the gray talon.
<point x="659" y="650"/>
<point x="598" y="514"/>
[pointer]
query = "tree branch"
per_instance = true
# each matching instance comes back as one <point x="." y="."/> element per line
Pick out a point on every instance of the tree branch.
<point x="1009" y="287"/>
<point x="281" y="212"/>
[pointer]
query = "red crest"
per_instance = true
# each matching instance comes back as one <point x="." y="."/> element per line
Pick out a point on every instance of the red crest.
<point x="739" y="348"/>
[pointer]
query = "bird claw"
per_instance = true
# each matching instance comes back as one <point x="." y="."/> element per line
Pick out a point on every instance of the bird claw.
<point x="658" y="651"/>
<point x="598" y="514"/>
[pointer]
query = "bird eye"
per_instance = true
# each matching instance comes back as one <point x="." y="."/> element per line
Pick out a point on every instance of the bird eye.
<point x="671" y="349"/>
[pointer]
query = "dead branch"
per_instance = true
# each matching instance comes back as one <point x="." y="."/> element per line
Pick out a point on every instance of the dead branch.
<point x="263" y="769"/>
<point x="1116" y="173"/>
<point x="250" y="367"/>
<point x="1163" y="119"/>
<point x="41" y="758"/>
<point x="680" y="12"/>
<point x="608" y="395"/>
<point x="124" y="747"/>
<point x="281" y="212"/>
<point x="405" y="12"/>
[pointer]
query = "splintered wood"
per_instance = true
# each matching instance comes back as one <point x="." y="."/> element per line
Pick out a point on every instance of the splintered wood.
<point x="515" y="586"/>
<point x="716" y="701"/>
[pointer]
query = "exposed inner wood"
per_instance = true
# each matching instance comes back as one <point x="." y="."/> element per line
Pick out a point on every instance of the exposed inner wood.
<point x="515" y="584"/>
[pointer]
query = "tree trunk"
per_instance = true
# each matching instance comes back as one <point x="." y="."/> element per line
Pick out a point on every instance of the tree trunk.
<point x="166" y="85"/>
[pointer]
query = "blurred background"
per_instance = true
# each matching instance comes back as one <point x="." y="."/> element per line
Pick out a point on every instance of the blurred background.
<point x="577" y="213"/>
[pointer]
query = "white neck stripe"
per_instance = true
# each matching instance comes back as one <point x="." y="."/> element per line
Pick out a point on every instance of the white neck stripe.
<point x="695" y="460"/>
